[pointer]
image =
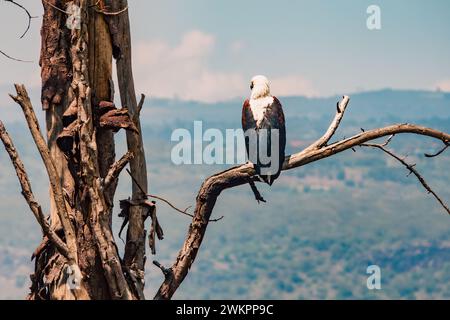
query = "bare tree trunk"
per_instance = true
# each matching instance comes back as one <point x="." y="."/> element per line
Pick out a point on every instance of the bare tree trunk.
<point x="56" y="77"/>
<point x="77" y="95"/>
<point x="134" y="258"/>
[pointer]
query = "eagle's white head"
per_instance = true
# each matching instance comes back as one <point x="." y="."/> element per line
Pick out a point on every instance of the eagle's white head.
<point x="260" y="87"/>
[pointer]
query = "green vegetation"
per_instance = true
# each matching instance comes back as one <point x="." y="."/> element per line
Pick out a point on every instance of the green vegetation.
<point x="322" y="226"/>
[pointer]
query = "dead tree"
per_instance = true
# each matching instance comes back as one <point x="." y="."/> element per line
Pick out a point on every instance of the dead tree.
<point x="78" y="245"/>
<point x="240" y="175"/>
<point x="79" y="154"/>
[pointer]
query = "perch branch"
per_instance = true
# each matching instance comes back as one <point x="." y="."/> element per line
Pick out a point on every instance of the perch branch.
<point x="236" y="176"/>
<point x="28" y="193"/>
<point x="411" y="169"/>
<point x="23" y="100"/>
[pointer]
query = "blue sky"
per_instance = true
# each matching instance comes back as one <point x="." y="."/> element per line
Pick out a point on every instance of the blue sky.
<point x="208" y="50"/>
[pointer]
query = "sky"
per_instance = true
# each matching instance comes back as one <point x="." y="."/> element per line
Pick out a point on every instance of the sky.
<point x="208" y="50"/>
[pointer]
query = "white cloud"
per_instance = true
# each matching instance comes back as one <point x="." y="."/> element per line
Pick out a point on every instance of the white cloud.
<point x="237" y="47"/>
<point x="182" y="71"/>
<point x="443" y="85"/>
<point x="293" y="86"/>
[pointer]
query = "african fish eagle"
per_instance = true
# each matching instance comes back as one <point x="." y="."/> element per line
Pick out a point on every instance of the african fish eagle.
<point x="263" y="118"/>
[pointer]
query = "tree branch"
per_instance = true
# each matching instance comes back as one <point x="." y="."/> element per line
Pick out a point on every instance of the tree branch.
<point x="141" y="104"/>
<point x="437" y="153"/>
<point x="340" y="111"/>
<point x="23" y="100"/>
<point x="117" y="168"/>
<point x="411" y="169"/>
<point x="167" y="201"/>
<point x="12" y="58"/>
<point x="26" y="12"/>
<point x="55" y="7"/>
<point x="28" y="193"/>
<point x="119" y="26"/>
<point x="115" y="13"/>
<point x="236" y="176"/>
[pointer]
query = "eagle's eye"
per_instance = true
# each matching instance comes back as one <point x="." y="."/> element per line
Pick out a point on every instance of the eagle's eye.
<point x="251" y="86"/>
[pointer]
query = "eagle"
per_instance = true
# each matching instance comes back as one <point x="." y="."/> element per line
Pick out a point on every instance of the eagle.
<point x="265" y="131"/>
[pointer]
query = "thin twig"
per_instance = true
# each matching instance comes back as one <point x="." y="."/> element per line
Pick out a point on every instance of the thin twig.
<point x="12" y="58"/>
<point x="106" y="13"/>
<point x="341" y="106"/>
<point x="141" y="103"/>
<point x="179" y="210"/>
<point x="166" y="271"/>
<point x="26" y="12"/>
<point x="55" y="7"/>
<point x="95" y="4"/>
<point x="166" y="201"/>
<point x="389" y="139"/>
<point x="438" y="153"/>
<point x="411" y="169"/>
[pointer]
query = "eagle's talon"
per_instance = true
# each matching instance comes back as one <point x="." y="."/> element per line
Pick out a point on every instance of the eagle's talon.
<point x="260" y="199"/>
<point x="255" y="190"/>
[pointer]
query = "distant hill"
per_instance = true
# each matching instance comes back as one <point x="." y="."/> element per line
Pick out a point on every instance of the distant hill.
<point x="322" y="226"/>
<point x="407" y="105"/>
<point x="402" y="104"/>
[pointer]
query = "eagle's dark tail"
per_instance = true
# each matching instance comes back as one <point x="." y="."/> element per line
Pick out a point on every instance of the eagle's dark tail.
<point x="269" y="179"/>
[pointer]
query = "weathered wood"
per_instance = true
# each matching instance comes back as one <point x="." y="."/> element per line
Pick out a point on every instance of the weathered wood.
<point x="27" y="193"/>
<point x="101" y="83"/>
<point x="116" y="168"/>
<point x="56" y="77"/>
<point x="95" y="203"/>
<point x="23" y="100"/>
<point x="76" y="76"/>
<point x="119" y="26"/>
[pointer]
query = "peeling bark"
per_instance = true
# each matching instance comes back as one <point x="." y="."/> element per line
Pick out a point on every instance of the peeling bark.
<point x="119" y="27"/>
<point x="76" y="79"/>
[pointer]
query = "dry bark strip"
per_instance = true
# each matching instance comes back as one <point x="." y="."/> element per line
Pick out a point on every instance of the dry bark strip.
<point x="23" y="100"/>
<point x="119" y="26"/>
<point x="90" y="172"/>
<point x="240" y="175"/>
<point x="27" y="193"/>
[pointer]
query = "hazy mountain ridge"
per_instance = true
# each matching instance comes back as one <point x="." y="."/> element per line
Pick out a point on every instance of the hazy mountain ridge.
<point x="323" y="223"/>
